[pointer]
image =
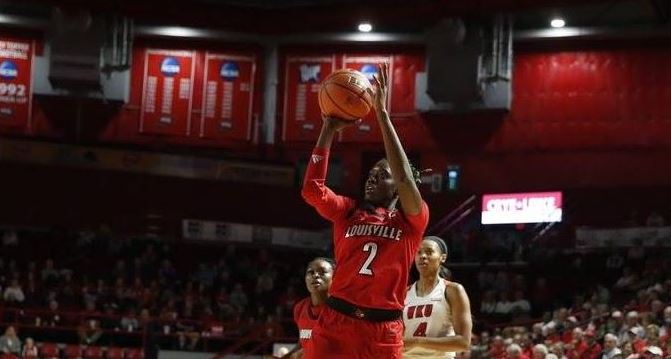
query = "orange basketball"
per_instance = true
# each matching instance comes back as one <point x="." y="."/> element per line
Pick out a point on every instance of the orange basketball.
<point x="346" y="94"/>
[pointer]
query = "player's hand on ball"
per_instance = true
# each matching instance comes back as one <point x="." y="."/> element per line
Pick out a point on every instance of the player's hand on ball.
<point x="380" y="81"/>
<point x="338" y="124"/>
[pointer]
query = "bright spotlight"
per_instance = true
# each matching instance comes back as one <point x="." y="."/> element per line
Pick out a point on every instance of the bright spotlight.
<point x="557" y="23"/>
<point x="365" y="27"/>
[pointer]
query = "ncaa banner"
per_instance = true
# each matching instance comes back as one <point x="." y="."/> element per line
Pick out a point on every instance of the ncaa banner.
<point x="302" y="81"/>
<point x="228" y="92"/>
<point x="16" y="61"/>
<point x="167" y="89"/>
<point x="368" y="130"/>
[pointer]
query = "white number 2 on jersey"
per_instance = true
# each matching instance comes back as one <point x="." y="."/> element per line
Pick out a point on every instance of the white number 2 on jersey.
<point x="370" y="247"/>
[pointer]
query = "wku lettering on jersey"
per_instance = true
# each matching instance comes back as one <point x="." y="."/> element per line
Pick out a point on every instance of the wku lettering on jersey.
<point x="376" y="230"/>
<point x="305" y="333"/>
<point x="420" y="311"/>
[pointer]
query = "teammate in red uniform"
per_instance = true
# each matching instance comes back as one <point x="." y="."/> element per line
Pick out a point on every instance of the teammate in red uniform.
<point x="306" y="312"/>
<point x="375" y="242"/>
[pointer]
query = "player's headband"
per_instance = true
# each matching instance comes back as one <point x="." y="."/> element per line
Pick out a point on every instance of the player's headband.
<point x="439" y="241"/>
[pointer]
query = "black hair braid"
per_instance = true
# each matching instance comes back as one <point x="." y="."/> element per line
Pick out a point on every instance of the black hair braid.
<point x="417" y="173"/>
<point x="444" y="272"/>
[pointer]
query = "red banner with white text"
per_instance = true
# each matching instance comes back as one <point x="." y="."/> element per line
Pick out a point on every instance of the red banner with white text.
<point x="302" y="80"/>
<point x="228" y="96"/>
<point x="16" y="60"/>
<point x="167" y="92"/>
<point x="368" y="130"/>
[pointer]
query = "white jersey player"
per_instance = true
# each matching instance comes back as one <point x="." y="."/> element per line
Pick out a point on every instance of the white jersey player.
<point x="437" y="313"/>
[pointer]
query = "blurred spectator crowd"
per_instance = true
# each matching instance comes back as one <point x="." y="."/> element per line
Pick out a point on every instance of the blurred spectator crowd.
<point x="536" y="301"/>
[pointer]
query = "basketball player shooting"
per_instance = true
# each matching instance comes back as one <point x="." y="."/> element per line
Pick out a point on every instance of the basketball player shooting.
<point x="437" y="313"/>
<point x="375" y="241"/>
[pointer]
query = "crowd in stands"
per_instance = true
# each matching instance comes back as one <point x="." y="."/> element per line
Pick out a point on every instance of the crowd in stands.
<point x="605" y="303"/>
<point x="97" y="284"/>
<point x="147" y="283"/>
<point x="596" y="328"/>
<point x="468" y="242"/>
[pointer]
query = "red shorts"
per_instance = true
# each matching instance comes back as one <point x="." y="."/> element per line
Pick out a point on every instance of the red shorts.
<point x="338" y="336"/>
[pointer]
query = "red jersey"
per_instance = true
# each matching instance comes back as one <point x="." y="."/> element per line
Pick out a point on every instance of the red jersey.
<point x="592" y="352"/>
<point x="305" y="316"/>
<point x="373" y="250"/>
<point x="579" y="348"/>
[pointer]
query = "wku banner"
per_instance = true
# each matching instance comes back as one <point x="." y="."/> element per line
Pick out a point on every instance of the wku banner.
<point x="227" y="97"/>
<point x="16" y="60"/>
<point x="302" y="80"/>
<point x="368" y="130"/>
<point x="167" y="89"/>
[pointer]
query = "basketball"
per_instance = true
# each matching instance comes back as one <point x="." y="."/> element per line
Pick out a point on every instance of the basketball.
<point x="346" y="94"/>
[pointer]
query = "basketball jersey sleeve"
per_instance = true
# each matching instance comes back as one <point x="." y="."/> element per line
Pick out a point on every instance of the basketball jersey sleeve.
<point x="315" y="192"/>
<point x="297" y="311"/>
<point x="419" y="221"/>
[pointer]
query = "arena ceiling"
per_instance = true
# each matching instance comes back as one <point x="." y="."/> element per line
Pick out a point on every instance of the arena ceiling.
<point x="271" y="16"/>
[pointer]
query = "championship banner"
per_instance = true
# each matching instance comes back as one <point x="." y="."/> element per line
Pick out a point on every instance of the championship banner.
<point x="586" y="237"/>
<point x="228" y="92"/>
<point x="16" y="61"/>
<point x="368" y="130"/>
<point x="167" y="89"/>
<point x="302" y="80"/>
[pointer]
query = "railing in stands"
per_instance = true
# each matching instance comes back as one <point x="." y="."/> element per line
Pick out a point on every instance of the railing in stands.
<point x="222" y="337"/>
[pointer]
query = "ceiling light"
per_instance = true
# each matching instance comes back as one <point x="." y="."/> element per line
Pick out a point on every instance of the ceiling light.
<point x="365" y="27"/>
<point x="557" y="23"/>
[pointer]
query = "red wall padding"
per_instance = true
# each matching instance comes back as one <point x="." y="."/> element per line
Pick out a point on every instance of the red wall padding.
<point x="578" y="119"/>
<point x="589" y="100"/>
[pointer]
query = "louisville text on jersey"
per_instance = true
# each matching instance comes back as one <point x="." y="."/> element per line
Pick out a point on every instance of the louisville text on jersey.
<point x="374" y="230"/>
